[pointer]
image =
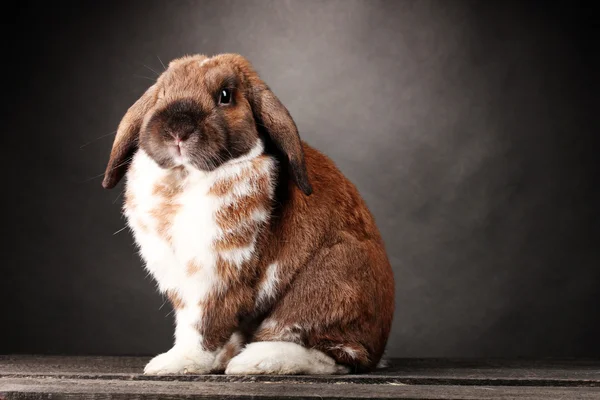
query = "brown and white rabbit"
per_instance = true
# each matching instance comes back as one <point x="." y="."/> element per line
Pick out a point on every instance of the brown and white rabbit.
<point x="270" y="257"/>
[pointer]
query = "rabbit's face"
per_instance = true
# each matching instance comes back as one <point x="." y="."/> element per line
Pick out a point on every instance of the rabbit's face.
<point x="201" y="117"/>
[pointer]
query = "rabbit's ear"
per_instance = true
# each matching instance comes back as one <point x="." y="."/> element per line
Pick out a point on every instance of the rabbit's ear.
<point x="271" y="116"/>
<point x="126" y="140"/>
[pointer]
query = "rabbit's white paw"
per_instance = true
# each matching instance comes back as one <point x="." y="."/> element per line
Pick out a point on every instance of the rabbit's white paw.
<point x="179" y="361"/>
<point x="282" y="358"/>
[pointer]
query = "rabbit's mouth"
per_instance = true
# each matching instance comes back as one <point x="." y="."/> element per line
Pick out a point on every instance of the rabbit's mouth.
<point x="177" y="154"/>
<point x="178" y="149"/>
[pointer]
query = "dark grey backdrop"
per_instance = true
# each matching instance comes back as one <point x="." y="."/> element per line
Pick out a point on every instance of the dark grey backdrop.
<point x="466" y="125"/>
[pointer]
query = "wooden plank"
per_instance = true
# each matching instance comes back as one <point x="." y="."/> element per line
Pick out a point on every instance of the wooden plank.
<point x="58" y="377"/>
<point x="407" y="371"/>
<point x="44" y="388"/>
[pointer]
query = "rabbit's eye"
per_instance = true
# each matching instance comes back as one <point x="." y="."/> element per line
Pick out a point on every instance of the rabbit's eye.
<point x="225" y="96"/>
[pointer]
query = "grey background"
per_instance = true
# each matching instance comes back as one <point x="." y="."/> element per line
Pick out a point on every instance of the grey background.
<point x="466" y="125"/>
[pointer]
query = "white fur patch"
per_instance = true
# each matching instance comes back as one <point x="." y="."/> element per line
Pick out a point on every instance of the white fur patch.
<point x="268" y="288"/>
<point x="204" y="61"/>
<point x="236" y="339"/>
<point x="282" y="358"/>
<point x="193" y="230"/>
<point x="350" y="351"/>
<point x="240" y="255"/>
<point x="268" y="324"/>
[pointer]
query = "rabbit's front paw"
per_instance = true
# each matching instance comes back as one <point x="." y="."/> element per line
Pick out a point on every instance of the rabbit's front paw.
<point x="178" y="361"/>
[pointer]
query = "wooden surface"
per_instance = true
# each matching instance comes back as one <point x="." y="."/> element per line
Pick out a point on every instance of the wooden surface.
<point x="43" y="377"/>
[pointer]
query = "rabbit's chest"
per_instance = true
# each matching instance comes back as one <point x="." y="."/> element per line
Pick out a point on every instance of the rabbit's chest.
<point x="189" y="226"/>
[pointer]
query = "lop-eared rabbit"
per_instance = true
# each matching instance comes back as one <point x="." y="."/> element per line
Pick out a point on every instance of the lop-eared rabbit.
<point x="268" y="254"/>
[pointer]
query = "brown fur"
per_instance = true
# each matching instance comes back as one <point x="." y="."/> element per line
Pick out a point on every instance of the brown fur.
<point x="175" y="300"/>
<point x="260" y="182"/>
<point x="225" y="310"/>
<point x="341" y="297"/>
<point x="192" y="268"/>
<point x="343" y="288"/>
<point x="280" y="332"/>
<point x="222" y="315"/>
<point x="336" y="289"/>
<point x="235" y="214"/>
<point x="221" y="188"/>
<point x="167" y="191"/>
<point x="227" y="271"/>
<point x="240" y="237"/>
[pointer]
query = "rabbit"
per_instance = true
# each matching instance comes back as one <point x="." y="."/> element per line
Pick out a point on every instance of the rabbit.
<point x="268" y="254"/>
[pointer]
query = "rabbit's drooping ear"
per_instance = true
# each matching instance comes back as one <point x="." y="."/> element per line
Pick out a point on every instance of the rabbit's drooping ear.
<point x="126" y="140"/>
<point x="281" y="128"/>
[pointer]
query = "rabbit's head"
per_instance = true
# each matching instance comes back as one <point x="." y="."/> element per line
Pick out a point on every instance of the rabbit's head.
<point x="203" y="112"/>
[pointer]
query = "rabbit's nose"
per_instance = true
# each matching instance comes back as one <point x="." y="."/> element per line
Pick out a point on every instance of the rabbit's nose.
<point x="181" y="126"/>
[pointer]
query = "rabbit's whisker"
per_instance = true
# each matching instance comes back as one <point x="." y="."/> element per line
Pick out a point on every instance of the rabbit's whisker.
<point x="120" y="230"/>
<point x="144" y="77"/>
<point x="163" y="304"/>
<point x="98" y="138"/>
<point x="120" y="194"/>
<point x="112" y="169"/>
<point x="151" y="69"/>
<point x="161" y="63"/>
